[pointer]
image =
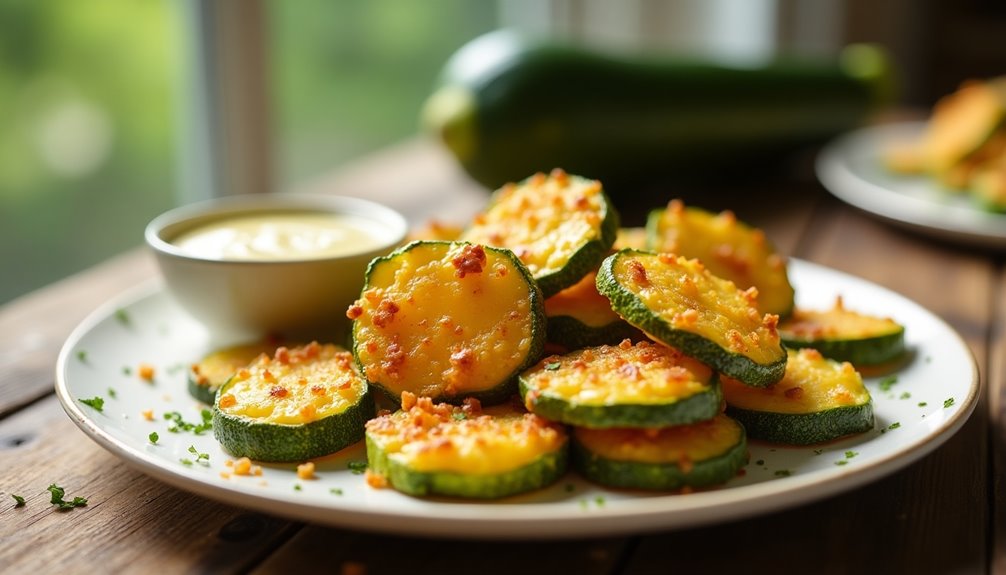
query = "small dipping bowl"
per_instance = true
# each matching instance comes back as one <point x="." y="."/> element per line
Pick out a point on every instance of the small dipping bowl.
<point x="283" y="264"/>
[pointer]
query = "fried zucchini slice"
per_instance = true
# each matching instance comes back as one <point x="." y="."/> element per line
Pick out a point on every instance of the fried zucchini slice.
<point x="214" y="369"/>
<point x="684" y="456"/>
<point x="818" y="400"/>
<point x="962" y="123"/>
<point x="560" y="226"/>
<point x="442" y="449"/>
<point x="845" y="335"/>
<point x="299" y="404"/>
<point x="642" y="385"/>
<point x="677" y="301"/>
<point x="727" y="247"/>
<point x="448" y="320"/>
<point x="579" y="316"/>
<point x="635" y="238"/>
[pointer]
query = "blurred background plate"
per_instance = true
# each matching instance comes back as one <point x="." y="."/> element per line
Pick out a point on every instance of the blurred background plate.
<point x="850" y="169"/>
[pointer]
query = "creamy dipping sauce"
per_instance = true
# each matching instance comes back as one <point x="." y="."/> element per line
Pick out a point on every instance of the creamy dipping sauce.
<point x="282" y="236"/>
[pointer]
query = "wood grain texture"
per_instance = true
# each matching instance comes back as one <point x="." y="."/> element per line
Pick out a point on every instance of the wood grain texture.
<point x="131" y="524"/>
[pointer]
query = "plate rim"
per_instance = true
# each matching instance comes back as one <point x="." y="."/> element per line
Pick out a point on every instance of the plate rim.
<point x="967" y="225"/>
<point x="468" y="520"/>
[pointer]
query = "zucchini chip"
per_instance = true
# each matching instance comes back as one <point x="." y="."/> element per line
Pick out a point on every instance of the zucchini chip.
<point x="676" y="301"/>
<point x="685" y="456"/>
<point x="212" y="371"/>
<point x="560" y="226"/>
<point x="301" y="403"/>
<point x="818" y="400"/>
<point x="642" y="385"/>
<point x="442" y="449"/>
<point x="579" y="316"/>
<point x="845" y="335"/>
<point x="448" y="320"/>
<point x="727" y="247"/>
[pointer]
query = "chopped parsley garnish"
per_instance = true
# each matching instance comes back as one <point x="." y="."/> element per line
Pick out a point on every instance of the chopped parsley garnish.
<point x="57" y="498"/>
<point x="760" y="462"/>
<point x="96" y="402"/>
<point x="153" y="437"/>
<point x="203" y="458"/>
<point x="552" y="365"/>
<point x="19" y="501"/>
<point x="459" y="416"/>
<point x="841" y="462"/>
<point x="357" y="467"/>
<point x="886" y="383"/>
<point x="923" y="404"/>
<point x="126" y="370"/>
<point x="894" y="425"/>
<point x="850" y="454"/>
<point x="82" y="356"/>
<point x="297" y="487"/>
<point x="123" y="317"/>
<point x="905" y="395"/>
<point x="112" y="393"/>
<point x="599" y="500"/>
<point x="783" y="473"/>
<point x="177" y="424"/>
<point x="948" y="402"/>
<point x="818" y="451"/>
<point x="335" y="491"/>
<point x="186" y="461"/>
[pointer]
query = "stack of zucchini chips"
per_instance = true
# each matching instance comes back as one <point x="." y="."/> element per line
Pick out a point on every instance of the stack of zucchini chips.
<point x="544" y="336"/>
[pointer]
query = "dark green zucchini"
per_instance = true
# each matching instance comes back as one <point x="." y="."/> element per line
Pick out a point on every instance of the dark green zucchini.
<point x="645" y="385"/>
<point x="508" y="106"/>
<point x="677" y="301"/>
<point x="685" y="456"/>
<point x="448" y="320"/>
<point x="845" y="335"/>
<point x="441" y="449"/>
<point x="818" y="400"/>
<point x="301" y="403"/>
<point x="579" y="317"/>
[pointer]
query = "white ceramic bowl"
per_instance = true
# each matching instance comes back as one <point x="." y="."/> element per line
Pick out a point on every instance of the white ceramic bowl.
<point x="308" y="295"/>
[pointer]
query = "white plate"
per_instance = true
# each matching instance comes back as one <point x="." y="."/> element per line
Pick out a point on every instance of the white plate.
<point x="851" y="169"/>
<point x="933" y="396"/>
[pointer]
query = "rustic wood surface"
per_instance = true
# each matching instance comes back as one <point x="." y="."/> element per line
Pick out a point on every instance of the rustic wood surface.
<point x="942" y="514"/>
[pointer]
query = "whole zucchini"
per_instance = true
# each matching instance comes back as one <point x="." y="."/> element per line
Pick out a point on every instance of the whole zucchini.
<point x="507" y="106"/>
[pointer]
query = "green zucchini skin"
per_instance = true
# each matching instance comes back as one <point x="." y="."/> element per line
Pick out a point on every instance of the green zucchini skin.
<point x="658" y="476"/>
<point x="571" y="333"/>
<point x="698" y="407"/>
<point x="636" y="312"/>
<point x="805" y="428"/>
<point x="508" y="106"/>
<point x="540" y="473"/>
<point x="870" y="351"/>
<point x="243" y="437"/>
<point x="201" y="393"/>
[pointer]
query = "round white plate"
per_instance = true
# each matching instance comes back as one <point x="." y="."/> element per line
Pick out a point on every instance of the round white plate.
<point x="850" y="168"/>
<point x="932" y="397"/>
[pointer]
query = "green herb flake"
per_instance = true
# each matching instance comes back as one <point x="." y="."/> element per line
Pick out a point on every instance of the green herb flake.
<point x="357" y="467"/>
<point x="122" y="316"/>
<point x="599" y="500"/>
<point x="96" y="402"/>
<point x="58" y="493"/>
<point x="177" y="424"/>
<point x="760" y="462"/>
<point x="126" y="370"/>
<point x="203" y="458"/>
<point x="297" y="487"/>
<point x="841" y="462"/>
<point x="153" y="437"/>
<point x="552" y="365"/>
<point x="923" y="404"/>
<point x="82" y="356"/>
<point x="19" y="501"/>
<point x="335" y="491"/>
<point x="783" y="473"/>
<point x="851" y="454"/>
<point x="112" y="393"/>
<point x="458" y="416"/>
<point x="886" y="383"/>
<point x="894" y="425"/>
<point x="818" y="451"/>
<point x="186" y="462"/>
<point x="905" y="395"/>
<point x="948" y="402"/>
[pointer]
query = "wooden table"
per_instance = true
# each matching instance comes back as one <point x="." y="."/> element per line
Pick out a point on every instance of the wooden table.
<point x="942" y="514"/>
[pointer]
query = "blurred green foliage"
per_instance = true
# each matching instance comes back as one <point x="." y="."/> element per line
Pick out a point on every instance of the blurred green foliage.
<point x="90" y="92"/>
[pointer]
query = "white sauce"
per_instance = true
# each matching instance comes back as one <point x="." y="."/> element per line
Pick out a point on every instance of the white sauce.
<point x="282" y="236"/>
